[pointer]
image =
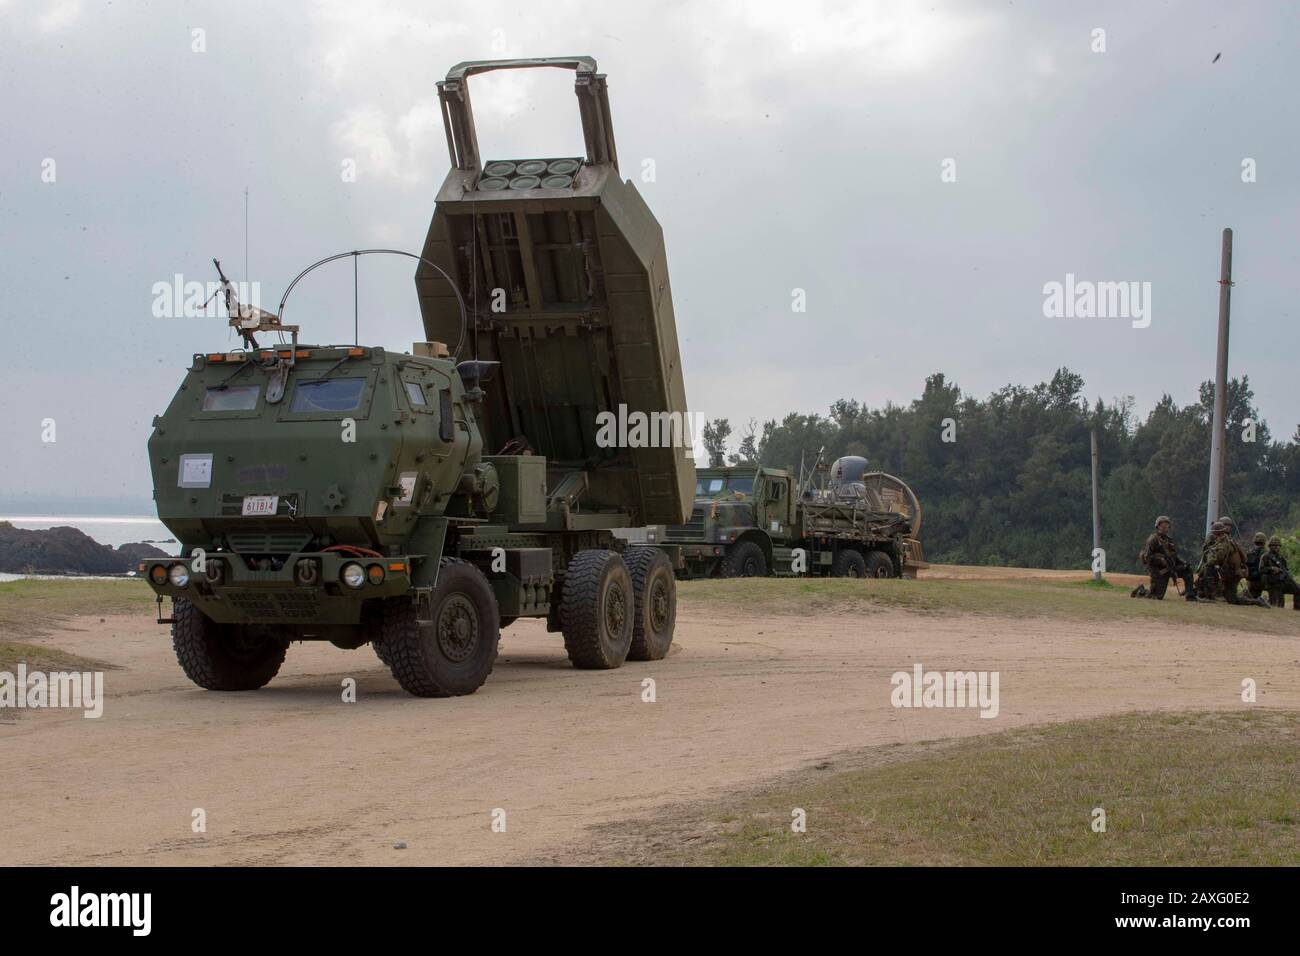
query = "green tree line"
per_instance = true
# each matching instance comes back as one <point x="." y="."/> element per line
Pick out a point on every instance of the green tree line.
<point x="1006" y="480"/>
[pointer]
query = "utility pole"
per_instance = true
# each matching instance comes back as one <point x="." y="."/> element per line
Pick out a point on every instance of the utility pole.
<point x="1214" y="503"/>
<point x="1096" y="510"/>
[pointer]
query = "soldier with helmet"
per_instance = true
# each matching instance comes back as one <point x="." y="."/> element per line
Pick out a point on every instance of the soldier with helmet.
<point x="1209" y="584"/>
<point x="1160" y="555"/>
<point x="1254" y="584"/>
<point x="1228" y="560"/>
<point x="1276" y="576"/>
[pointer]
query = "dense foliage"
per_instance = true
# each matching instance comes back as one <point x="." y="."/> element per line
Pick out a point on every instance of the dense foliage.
<point x="1012" y="482"/>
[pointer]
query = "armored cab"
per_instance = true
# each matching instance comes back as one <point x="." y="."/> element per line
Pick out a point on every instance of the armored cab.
<point x="563" y="270"/>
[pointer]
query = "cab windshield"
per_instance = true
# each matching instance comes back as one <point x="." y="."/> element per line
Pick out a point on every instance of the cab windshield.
<point x="328" y="395"/>
<point x="711" y="486"/>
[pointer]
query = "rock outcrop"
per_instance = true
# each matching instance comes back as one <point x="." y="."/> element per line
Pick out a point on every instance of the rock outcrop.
<point x="66" y="550"/>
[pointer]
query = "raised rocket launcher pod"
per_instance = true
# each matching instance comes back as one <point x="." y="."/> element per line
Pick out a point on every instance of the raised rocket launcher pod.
<point x="420" y="502"/>
<point x="563" y="268"/>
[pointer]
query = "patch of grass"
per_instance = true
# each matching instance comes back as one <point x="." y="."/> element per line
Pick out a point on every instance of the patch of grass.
<point x="1193" y="789"/>
<point x="13" y="653"/>
<point x="1102" y="585"/>
<point x="31" y="609"/>
<point x="1071" y="600"/>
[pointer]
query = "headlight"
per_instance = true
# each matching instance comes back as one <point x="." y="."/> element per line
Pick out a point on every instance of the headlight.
<point x="353" y="575"/>
<point x="179" y="575"/>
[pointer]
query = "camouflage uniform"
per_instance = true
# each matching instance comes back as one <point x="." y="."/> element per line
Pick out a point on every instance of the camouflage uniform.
<point x="1276" y="576"/>
<point x="1160" y="555"/>
<point x="1230" y="561"/>
<point x="1254" y="584"/>
<point x="1209" y="583"/>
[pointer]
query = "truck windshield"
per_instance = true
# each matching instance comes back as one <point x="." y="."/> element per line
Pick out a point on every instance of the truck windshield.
<point x="707" y="487"/>
<point x="231" y="398"/>
<point x="328" y="395"/>
<point x="744" y="486"/>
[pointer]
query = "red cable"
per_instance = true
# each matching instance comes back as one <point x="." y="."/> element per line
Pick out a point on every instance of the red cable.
<point x="354" y="550"/>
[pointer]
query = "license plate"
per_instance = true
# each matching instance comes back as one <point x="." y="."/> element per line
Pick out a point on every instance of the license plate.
<point x="260" y="505"/>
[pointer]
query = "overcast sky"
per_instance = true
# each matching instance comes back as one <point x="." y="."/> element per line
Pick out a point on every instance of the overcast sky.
<point x="794" y="146"/>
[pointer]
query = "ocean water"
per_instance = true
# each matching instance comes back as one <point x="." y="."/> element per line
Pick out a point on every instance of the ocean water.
<point x="112" y="531"/>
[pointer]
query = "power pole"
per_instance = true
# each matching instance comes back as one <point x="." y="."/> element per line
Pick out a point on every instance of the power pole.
<point x="1214" y="503"/>
<point x="1096" y="510"/>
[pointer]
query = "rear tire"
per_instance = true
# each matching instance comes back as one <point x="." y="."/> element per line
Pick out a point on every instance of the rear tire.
<point x="453" y="655"/>
<point x="654" y="613"/>
<point x="744" y="560"/>
<point x="596" y="610"/>
<point x="879" y="565"/>
<point x="224" y="656"/>
<point x="849" y="564"/>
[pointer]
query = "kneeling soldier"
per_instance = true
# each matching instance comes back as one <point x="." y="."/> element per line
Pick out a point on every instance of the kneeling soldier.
<point x="1230" y="561"/>
<point x="1255" y="584"/>
<point x="1276" y="576"/>
<point x="1160" y="555"/>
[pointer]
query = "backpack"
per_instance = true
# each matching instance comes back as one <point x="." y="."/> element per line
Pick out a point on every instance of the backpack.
<point x="1252" y="563"/>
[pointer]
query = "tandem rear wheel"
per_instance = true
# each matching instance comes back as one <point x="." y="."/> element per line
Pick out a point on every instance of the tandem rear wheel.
<point x="849" y="564"/>
<point x="879" y="565"/>
<point x="618" y="607"/>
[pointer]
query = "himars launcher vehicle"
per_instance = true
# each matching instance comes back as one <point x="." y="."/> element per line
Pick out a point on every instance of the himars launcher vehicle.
<point x="419" y="502"/>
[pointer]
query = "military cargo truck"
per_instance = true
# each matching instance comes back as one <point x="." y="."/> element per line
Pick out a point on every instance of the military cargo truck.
<point x="751" y="521"/>
<point x="421" y="502"/>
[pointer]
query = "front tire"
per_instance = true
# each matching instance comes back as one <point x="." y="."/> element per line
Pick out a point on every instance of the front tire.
<point x="225" y="657"/>
<point x="654" y="612"/>
<point x="453" y="653"/>
<point x="744" y="560"/>
<point x="596" y="610"/>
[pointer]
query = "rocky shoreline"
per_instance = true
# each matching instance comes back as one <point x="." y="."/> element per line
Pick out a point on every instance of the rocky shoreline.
<point x="67" y="551"/>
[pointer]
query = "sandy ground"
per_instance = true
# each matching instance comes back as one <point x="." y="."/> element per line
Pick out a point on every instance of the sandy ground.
<point x="293" y="775"/>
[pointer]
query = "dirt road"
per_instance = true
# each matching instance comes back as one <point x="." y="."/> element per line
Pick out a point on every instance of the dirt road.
<point x="293" y="775"/>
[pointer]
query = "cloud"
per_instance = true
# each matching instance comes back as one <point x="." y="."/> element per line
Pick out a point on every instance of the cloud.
<point x="59" y="15"/>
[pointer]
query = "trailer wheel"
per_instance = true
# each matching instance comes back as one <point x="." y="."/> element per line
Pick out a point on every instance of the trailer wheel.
<point x="224" y="656"/>
<point x="744" y="560"/>
<point x="453" y="653"/>
<point x="654" y="600"/>
<point x="879" y="565"/>
<point x="849" y="564"/>
<point x="596" y="610"/>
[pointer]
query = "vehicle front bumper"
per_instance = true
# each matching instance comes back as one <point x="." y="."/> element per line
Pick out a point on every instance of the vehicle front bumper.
<point x="240" y="595"/>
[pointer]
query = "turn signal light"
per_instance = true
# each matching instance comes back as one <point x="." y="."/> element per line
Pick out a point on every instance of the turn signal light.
<point x="375" y="573"/>
<point x="158" y="574"/>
